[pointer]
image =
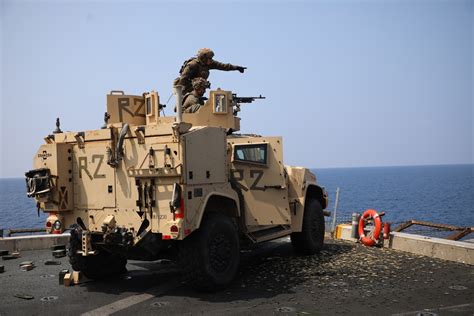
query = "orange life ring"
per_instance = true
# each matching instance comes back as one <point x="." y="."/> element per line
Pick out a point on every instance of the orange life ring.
<point x="370" y="240"/>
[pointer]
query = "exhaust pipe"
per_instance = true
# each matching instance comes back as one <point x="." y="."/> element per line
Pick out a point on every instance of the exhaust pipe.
<point x="178" y="92"/>
<point x="113" y="159"/>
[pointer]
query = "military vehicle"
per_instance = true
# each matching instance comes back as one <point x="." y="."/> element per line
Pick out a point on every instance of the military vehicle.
<point x="188" y="187"/>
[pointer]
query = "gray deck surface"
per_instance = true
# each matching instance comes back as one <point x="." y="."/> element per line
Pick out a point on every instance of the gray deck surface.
<point x="345" y="278"/>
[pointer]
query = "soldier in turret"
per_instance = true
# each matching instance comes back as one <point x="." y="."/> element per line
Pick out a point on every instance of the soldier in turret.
<point x="199" y="66"/>
<point x="192" y="101"/>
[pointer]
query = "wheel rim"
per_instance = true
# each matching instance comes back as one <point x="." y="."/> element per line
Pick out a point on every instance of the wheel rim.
<point x="220" y="253"/>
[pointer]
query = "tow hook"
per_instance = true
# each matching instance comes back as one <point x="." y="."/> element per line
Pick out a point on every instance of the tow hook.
<point x="86" y="244"/>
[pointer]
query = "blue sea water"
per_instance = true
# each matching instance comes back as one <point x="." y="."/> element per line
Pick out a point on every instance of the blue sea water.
<point x="16" y="209"/>
<point x="442" y="194"/>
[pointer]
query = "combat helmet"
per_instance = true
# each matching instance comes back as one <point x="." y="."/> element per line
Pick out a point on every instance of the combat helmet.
<point x="200" y="83"/>
<point x="205" y="54"/>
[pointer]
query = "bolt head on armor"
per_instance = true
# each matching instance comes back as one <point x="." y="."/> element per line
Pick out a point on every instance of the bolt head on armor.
<point x="205" y="54"/>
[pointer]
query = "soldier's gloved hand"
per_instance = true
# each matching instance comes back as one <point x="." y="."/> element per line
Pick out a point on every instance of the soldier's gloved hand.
<point x="241" y="69"/>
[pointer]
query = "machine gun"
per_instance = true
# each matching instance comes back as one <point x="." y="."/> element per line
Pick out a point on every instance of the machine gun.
<point x="236" y="101"/>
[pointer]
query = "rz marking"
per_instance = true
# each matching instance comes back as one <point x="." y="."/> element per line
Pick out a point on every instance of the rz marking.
<point x="256" y="174"/>
<point x="124" y="106"/>
<point x="82" y="161"/>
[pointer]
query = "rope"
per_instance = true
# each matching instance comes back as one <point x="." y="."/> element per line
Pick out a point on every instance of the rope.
<point x="166" y="104"/>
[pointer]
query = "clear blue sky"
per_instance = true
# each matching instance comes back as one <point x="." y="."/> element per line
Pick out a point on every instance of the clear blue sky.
<point x="348" y="83"/>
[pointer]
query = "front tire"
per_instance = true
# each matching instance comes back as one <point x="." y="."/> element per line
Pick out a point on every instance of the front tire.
<point x="209" y="258"/>
<point x="311" y="238"/>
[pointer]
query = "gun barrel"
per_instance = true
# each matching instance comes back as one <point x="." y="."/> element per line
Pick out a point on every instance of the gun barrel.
<point x="245" y="99"/>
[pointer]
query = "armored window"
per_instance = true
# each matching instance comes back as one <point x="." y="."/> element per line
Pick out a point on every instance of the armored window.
<point x="148" y="106"/>
<point x="220" y="103"/>
<point x="253" y="153"/>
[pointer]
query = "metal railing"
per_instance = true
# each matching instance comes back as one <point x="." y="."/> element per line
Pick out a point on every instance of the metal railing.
<point x="16" y="231"/>
<point x="460" y="231"/>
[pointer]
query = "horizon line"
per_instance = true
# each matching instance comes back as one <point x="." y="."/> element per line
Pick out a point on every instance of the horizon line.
<point x="395" y="166"/>
<point x="357" y="167"/>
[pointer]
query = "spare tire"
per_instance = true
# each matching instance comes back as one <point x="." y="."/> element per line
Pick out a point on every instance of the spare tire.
<point x="101" y="265"/>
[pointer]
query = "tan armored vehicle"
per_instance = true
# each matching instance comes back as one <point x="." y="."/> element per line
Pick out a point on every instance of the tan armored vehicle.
<point x="146" y="187"/>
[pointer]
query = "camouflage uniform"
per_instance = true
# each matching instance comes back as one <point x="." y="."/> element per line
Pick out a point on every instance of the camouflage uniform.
<point x="192" y="101"/>
<point x="197" y="67"/>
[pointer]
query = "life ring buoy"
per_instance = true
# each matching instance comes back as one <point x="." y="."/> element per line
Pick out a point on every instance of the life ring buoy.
<point x="370" y="240"/>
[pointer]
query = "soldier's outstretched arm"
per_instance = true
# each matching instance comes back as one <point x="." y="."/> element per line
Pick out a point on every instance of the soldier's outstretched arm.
<point x="226" y="67"/>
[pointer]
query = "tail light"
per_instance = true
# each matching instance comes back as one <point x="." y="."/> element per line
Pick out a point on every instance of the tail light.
<point x="177" y="202"/>
<point x="180" y="211"/>
<point x="53" y="224"/>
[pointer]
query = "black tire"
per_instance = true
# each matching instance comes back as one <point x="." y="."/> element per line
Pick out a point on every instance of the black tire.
<point x="75" y="260"/>
<point x="98" y="266"/>
<point x="311" y="238"/>
<point x="209" y="258"/>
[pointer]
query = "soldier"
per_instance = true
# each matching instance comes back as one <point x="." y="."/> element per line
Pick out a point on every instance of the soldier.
<point x="193" y="101"/>
<point x="199" y="67"/>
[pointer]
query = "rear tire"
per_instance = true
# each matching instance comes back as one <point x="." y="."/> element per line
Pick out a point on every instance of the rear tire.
<point x="311" y="238"/>
<point x="98" y="266"/>
<point x="209" y="258"/>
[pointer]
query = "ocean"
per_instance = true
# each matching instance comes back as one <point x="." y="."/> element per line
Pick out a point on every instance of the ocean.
<point x="441" y="194"/>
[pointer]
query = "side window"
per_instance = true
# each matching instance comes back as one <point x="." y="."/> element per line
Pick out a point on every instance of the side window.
<point x="254" y="153"/>
<point x="148" y="106"/>
<point x="220" y="103"/>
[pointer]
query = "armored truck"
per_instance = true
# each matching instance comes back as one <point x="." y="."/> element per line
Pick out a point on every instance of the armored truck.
<point x="187" y="187"/>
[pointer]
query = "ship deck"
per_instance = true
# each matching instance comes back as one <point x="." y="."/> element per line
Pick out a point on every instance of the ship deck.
<point x="345" y="278"/>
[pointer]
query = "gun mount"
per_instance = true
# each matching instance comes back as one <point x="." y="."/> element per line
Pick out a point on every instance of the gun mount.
<point x="236" y="100"/>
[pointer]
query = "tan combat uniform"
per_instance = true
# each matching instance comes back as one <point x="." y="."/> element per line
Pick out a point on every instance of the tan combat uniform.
<point x="194" y="69"/>
<point x="191" y="102"/>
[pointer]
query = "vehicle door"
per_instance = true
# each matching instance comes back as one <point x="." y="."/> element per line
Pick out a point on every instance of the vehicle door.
<point x="257" y="171"/>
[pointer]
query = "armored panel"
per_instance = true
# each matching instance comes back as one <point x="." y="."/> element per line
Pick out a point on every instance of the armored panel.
<point x="94" y="180"/>
<point x="126" y="108"/>
<point x="86" y="136"/>
<point x="205" y="156"/>
<point x="57" y="157"/>
<point x="258" y="172"/>
<point x="152" y="107"/>
<point x="150" y="160"/>
<point x="217" y="112"/>
<point x="163" y="127"/>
